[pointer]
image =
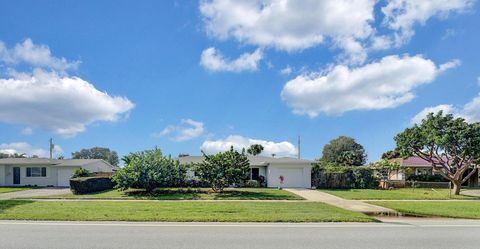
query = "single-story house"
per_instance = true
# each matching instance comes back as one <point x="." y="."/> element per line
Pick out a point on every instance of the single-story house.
<point x="418" y="166"/>
<point x="297" y="173"/>
<point x="46" y="172"/>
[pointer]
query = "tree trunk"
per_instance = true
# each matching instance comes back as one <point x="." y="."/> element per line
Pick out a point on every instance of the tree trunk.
<point x="457" y="185"/>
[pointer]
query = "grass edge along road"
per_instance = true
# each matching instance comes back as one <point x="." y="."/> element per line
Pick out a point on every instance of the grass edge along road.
<point x="186" y="211"/>
<point x="450" y="209"/>
<point x="396" y="194"/>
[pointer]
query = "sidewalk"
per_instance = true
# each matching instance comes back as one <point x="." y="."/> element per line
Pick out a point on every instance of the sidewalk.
<point x="352" y="205"/>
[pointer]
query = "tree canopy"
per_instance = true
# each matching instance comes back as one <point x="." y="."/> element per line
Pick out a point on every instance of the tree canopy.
<point x="391" y="154"/>
<point x="148" y="170"/>
<point x="106" y="154"/>
<point x="255" y="149"/>
<point x="223" y="169"/>
<point x="451" y="145"/>
<point x="344" y="151"/>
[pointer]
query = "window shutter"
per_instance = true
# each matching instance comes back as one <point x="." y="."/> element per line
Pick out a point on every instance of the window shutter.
<point x="29" y="172"/>
<point x="44" y="171"/>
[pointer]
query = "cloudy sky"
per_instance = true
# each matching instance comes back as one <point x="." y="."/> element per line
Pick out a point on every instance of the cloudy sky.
<point x="204" y="75"/>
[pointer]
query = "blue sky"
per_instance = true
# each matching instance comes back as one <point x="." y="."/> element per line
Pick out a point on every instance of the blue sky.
<point x="191" y="75"/>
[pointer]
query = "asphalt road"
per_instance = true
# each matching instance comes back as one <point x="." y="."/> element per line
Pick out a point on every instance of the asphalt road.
<point x="118" y="235"/>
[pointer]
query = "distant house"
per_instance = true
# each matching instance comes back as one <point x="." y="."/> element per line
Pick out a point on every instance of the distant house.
<point x="296" y="172"/>
<point x="46" y="172"/>
<point x="418" y="166"/>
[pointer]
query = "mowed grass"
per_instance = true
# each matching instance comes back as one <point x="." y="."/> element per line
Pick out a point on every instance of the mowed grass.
<point x="452" y="209"/>
<point x="397" y="194"/>
<point x="187" y="194"/>
<point x="193" y="211"/>
<point x="12" y="189"/>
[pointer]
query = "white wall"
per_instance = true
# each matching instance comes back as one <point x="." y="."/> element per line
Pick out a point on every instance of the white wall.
<point x="49" y="180"/>
<point x="2" y="175"/>
<point x="296" y="175"/>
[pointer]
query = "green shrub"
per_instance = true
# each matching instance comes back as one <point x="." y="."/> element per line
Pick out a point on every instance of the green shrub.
<point x="252" y="184"/>
<point x="327" y="175"/>
<point x="81" y="172"/>
<point x="148" y="170"/>
<point x="223" y="169"/>
<point x="426" y="178"/>
<point x="85" y="185"/>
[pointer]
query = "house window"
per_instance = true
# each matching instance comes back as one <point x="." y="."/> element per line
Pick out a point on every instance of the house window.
<point x="37" y="172"/>
<point x="255" y="173"/>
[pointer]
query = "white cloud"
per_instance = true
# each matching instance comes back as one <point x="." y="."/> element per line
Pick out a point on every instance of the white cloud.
<point x="470" y="111"/>
<point x="60" y="104"/>
<point x="383" y="84"/>
<point x="29" y="150"/>
<point x="213" y="60"/>
<point x="289" y="25"/>
<point x="402" y="15"/>
<point x="187" y="130"/>
<point x="27" y="131"/>
<point x="286" y="70"/>
<point x="280" y="149"/>
<point x="447" y="109"/>
<point x="34" y="55"/>
<point x="47" y="97"/>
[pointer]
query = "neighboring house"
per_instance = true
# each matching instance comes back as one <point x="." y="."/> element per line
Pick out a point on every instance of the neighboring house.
<point x="418" y="166"/>
<point x="297" y="173"/>
<point x="46" y="172"/>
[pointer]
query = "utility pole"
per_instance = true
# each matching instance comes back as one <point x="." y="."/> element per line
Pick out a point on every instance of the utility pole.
<point x="51" y="148"/>
<point x="298" y="145"/>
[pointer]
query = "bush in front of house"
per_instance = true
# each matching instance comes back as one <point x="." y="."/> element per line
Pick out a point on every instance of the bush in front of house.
<point x="252" y="184"/>
<point x="426" y="178"/>
<point x="85" y="185"/>
<point x="224" y="169"/>
<point x="81" y="172"/>
<point x="328" y="175"/>
<point x="149" y="170"/>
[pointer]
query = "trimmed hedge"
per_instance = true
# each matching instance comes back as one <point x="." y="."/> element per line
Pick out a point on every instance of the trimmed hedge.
<point x="343" y="177"/>
<point x="85" y="185"/>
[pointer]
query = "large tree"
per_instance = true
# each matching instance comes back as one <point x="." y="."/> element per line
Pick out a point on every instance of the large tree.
<point x="149" y="170"/>
<point x="106" y="154"/>
<point x="255" y="149"/>
<point x="344" y="151"/>
<point x="451" y="145"/>
<point x="223" y="169"/>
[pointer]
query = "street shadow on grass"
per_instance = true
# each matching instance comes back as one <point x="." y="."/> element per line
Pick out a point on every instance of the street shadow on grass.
<point x="205" y="194"/>
<point x="7" y="204"/>
<point x="166" y="194"/>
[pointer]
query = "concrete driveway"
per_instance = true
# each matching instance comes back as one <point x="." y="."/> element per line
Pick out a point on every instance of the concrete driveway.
<point x="34" y="193"/>
<point x="471" y="192"/>
<point x="352" y="205"/>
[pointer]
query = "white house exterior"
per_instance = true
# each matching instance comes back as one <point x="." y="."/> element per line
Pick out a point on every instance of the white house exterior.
<point x="297" y="173"/>
<point x="46" y="172"/>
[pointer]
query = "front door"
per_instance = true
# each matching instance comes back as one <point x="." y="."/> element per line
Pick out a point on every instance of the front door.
<point x="16" y="175"/>
<point x="255" y="173"/>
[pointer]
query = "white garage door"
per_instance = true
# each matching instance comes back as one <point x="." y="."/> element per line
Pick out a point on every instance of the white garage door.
<point x="293" y="177"/>
<point x="64" y="176"/>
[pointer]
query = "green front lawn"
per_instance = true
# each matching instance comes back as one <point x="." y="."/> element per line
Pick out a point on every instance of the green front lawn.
<point x="188" y="194"/>
<point x="198" y="211"/>
<point x="396" y="194"/>
<point x="452" y="209"/>
<point x="12" y="189"/>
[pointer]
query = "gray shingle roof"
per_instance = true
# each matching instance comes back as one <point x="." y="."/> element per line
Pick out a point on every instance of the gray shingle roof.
<point x="254" y="160"/>
<point x="46" y="161"/>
